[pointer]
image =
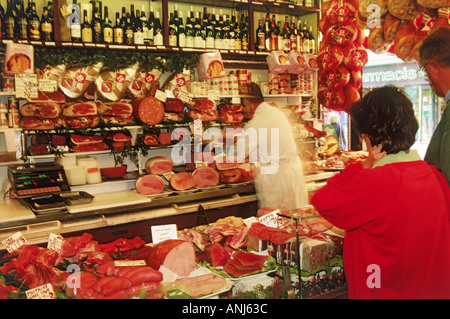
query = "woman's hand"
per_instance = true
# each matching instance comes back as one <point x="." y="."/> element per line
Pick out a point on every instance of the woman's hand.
<point x="375" y="154"/>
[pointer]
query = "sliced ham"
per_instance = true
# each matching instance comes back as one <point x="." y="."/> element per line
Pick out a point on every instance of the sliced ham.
<point x="115" y="109"/>
<point x="204" y="105"/>
<point x="174" y="105"/>
<point x="119" y="137"/>
<point x="231" y="117"/>
<point x="165" y="138"/>
<point x="158" y="165"/>
<point x="205" y="116"/>
<point x="150" y="139"/>
<point x="80" y="109"/>
<point x="149" y="185"/>
<point x="89" y="147"/>
<point x="230" y="108"/>
<point x="56" y="97"/>
<point x="42" y="110"/>
<point x="174" y="254"/>
<point x="206" y="177"/>
<point x="118" y="119"/>
<point x="182" y="181"/>
<point x="173" y="116"/>
<point x="222" y="163"/>
<point x="149" y="110"/>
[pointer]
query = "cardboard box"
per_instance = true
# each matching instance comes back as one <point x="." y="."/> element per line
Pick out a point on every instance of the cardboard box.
<point x="19" y="58"/>
<point x="210" y="66"/>
<point x="278" y="62"/>
<point x="298" y="62"/>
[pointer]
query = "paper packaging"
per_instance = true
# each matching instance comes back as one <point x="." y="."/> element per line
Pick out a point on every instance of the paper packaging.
<point x="210" y="66"/>
<point x="76" y="80"/>
<point x="278" y="62"/>
<point x="311" y="62"/>
<point x="113" y="84"/>
<point x="298" y="62"/>
<point x="19" y="58"/>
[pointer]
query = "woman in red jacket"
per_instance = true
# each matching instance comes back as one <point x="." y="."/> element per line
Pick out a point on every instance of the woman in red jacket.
<point x="393" y="206"/>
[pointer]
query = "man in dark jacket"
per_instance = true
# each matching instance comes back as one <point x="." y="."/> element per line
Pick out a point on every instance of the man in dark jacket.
<point x="435" y="59"/>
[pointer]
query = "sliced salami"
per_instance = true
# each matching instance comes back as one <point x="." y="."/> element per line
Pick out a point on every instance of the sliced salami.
<point x="149" y="110"/>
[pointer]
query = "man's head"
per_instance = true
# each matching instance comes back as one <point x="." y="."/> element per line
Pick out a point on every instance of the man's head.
<point x="435" y="59"/>
<point x="250" y="104"/>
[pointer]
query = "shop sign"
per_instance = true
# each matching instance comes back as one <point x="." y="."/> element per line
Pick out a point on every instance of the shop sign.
<point x="405" y="74"/>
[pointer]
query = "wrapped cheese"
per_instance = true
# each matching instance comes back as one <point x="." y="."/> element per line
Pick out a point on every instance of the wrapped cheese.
<point x="113" y="84"/>
<point x="66" y="161"/>
<point x="87" y="162"/>
<point x="93" y="175"/>
<point x="76" y="80"/>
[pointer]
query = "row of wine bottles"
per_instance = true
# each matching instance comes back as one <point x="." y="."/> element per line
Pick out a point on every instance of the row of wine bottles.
<point x="23" y="23"/>
<point x="271" y="36"/>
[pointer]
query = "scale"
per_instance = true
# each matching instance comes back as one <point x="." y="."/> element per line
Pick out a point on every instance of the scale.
<point x="44" y="187"/>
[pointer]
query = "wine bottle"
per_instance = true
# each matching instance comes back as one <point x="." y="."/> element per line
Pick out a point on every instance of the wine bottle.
<point x="10" y="22"/>
<point x="293" y="38"/>
<point x="22" y="23"/>
<point x="108" y="34"/>
<point x="312" y="41"/>
<point x="232" y="31"/>
<point x="144" y="22"/>
<point x="181" y="31"/>
<point x="189" y="31"/>
<point x="198" y="31"/>
<point x="205" y="22"/>
<point x="86" y="29"/>
<point x="75" y="26"/>
<point x="209" y="40"/>
<point x="138" y="29"/>
<point x="286" y="35"/>
<point x="305" y="38"/>
<point x="96" y="25"/>
<point x="128" y="30"/>
<point x="46" y="26"/>
<point x="217" y="34"/>
<point x="50" y="12"/>
<point x="123" y="18"/>
<point x="274" y="35"/>
<point x="280" y="41"/>
<point x="267" y="35"/>
<point x="260" y="37"/>
<point x="244" y="36"/>
<point x="118" y="30"/>
<point x="151" y="26"/>
<point x="299" y="36"/>
<point x="33" y="24"/>
<point x="2" y="22"/>
<point x="225" y="33"/>
<point x="173" y="31"/>
<point x="237" y="37"/>
<point x="158" y="36"/>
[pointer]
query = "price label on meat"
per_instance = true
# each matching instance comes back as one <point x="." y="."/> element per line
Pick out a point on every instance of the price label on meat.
<point x="54" y="242"/>
<point x="42" y="292"/>
<point x="270" y="219"/>
<point x="48" y="85"/>
<point x="164" y="232"/>
<point x="13" y="242"/>
<point x="26" y="86"/>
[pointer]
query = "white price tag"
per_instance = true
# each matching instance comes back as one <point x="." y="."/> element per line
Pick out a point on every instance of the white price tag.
<point x="127" y="263"/>
<point x="169" y="94"/>
<point x="160" y="95"/>
<point x="48" y="85"/>
<point x="317" y="125"/>
<point x="42" y="292"/>
<point x="26" y="86"/>
<point x="186" y="97"/>
<point x="54" y="242"/>
<point x="14" y="241"/>
<point x="164" y="232"/>
<point x="213" y="95"/>
<point x="270" y="219"/>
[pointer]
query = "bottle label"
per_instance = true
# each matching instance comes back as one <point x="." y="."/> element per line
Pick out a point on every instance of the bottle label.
<point x="129" y="35"/>
<point x="33" y="27"/>
<point x="139" y="38"/>
<point x="10" y="28"/>
<point x="173" y="40"/>
<point x="118" y="35"/>
<point x="210" y="42"/>
<point x="158" y="39"/>
<point x="226" y="44"/>
<point x="218" y="43"/>
<point x="238" y="44"/>
<point x="23" y="29"/>
<point x="198" y="42"/>
<point x="86" y="35"/>
<point x="261" y="41"/>
<point x="107" y="35"/>
<point x="189" y="41"/>
<point x="75" y="31"/>
<point x="182" y="40"/>
<point x="46" y="27"/>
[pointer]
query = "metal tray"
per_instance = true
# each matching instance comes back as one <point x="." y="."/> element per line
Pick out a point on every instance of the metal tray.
<point x="77" y="198"/>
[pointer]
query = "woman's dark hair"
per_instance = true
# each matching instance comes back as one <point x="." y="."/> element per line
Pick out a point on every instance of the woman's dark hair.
<point x="386" y="116"/>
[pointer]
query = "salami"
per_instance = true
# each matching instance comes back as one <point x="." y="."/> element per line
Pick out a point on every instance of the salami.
<point x="149" y="185"/>
<point x="79" y="109"/>
<point x="206" y="177"/>
<point x="182" y="181"/>
<point x="165" y="138"/>
<point x="149" y="110"/>
<point x="42" y="110"/>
